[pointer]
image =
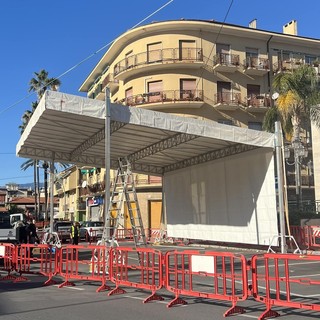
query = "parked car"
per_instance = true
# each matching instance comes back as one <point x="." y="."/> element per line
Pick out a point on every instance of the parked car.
<point x="62" y="228"/>
<point x="93" y="229"/>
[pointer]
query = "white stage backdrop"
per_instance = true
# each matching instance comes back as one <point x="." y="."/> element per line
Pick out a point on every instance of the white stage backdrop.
<point x="231" y="199"/>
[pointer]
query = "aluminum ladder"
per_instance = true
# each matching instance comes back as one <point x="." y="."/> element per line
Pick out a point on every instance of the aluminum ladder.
<point x="123" y="190"/>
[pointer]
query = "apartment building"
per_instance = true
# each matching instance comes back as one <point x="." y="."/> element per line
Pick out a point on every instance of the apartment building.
<point x="206" y="70"/>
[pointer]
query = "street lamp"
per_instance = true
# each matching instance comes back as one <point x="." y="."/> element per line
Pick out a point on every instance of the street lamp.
<point x="299" y="152"/>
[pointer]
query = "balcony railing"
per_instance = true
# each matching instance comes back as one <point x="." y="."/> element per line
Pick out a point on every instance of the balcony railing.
<point x="256" y="63"/>
<point x="292" y="64"/>
<point x="227" y="98"/>
<point x="258" y="101"/>
<point x="109" y="80"/>
<point x="163" y="96"/>
<point x="159" y="56"/>
<point x="226" y="59"/>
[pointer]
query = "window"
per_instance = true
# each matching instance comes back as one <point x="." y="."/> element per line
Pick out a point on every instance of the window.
<point x="129" y="60"/>
<point x="252" y="57"/>
<point x="187" y="89"/>
<point x="129" y="96"/>
<point x="155" y="89"/>
<point x="255" y="125"/>
<point x="154" y="52"/>
<point x="187" y="50"/>
<point x="223" y="53"/>
<point x="224" y="91"/>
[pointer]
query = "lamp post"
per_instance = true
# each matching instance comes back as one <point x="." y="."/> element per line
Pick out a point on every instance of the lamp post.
<point x="299" y="152"/>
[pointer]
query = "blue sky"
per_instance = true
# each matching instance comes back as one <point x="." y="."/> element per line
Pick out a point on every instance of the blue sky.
<point x="58" y="35"/>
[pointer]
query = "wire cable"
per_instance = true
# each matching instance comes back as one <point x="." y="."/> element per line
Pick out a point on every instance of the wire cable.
<point x="217" y="37"/>
<point x="84" y="60"/>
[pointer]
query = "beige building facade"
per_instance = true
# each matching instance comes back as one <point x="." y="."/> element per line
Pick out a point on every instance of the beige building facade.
<point x="205" y="70"/>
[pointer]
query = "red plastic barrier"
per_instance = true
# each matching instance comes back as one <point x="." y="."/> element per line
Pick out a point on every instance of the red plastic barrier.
<point x="212" y="275"/>
<point x="37" y="259"/>
<point x="276" y="282"/>
<point x="79" y="262"/>
<point x="139" y="268"/>
<point x="7" y="260"/>
<point x="300" y="235"/>
<point x="313" y="234"/>
<point x="124" y="234"/>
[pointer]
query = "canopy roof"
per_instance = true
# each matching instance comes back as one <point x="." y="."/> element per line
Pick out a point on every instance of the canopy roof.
<point x="71" y="129"/>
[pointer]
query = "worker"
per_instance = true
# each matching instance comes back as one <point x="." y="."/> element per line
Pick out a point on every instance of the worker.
<point x="75" y="233"/>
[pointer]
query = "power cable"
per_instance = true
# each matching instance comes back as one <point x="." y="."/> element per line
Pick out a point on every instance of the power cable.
<point x="84" y="60"/>
<point x="217" y="37"/>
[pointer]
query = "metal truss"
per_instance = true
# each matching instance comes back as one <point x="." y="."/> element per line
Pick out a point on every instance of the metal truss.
<point x="209" y="156"/>
<point x="97" y="137"/>
<point x="161" y="146"/>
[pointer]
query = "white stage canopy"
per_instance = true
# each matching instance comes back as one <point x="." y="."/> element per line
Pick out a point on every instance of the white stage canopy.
<point x="235" y="163"/>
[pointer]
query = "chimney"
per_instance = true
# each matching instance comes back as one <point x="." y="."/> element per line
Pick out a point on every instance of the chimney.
<point x="253" y="24"/>
<point x="291" y="28"/>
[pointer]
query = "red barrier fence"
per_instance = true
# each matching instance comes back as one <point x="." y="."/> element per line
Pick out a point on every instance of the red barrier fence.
<point x="227" y="273"/>
<point x="306" y="236"/>
<point x="8" y="259"/>
<point x="84" y="263"/>
<point x="139" y="268"/>
<point x="276" y="279"/>
<point x="37" y="259"/>
<point x="275" y="282"/>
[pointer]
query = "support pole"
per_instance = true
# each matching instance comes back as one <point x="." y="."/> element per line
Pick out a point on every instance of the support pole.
<point x="279" y="146"/>
<point x="107" y="166"/>
<point x="51" y="193"/>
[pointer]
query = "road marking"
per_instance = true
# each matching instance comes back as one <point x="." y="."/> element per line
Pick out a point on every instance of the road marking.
<point x="70" y="287"/>
<point x="156" y="301"/>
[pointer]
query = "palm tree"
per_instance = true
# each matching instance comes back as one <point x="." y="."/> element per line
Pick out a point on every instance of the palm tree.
<point x="39" y="84"/>
<point x="42" y="82"/>
<point x="298" y="99"/>
<point x="297" y="102"/>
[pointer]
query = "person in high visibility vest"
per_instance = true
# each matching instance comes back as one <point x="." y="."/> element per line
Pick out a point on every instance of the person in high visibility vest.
<point x="75" y="233"/>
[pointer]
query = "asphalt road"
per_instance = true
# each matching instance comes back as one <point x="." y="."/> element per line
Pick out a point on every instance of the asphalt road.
<point x="31" y="300"/>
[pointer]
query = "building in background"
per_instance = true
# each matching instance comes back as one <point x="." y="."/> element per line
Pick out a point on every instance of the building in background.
<point x="204" y="70"/>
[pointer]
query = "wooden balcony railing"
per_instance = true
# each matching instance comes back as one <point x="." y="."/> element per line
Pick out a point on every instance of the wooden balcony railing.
<point x="159" y="56"/>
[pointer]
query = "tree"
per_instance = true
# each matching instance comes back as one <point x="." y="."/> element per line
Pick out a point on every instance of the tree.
<point x="297" y="102"/>
<point x="39" y="84"/>
<point x="42" y="82"/>
<point x="298" y="99"/>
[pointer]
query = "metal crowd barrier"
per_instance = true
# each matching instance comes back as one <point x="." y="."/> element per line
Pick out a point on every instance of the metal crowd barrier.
<point x="275" y="282"/>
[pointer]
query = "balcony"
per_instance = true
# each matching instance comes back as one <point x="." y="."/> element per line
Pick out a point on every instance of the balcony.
<point x="256" y="66"/>
<point x="258" y="103"/>
<point x="151" y="61"/>
<point x="287" y="65"/>
<point x="227" y="101"/>
<point x="166" y="99"/>
<point x="110" y="82"/>
<point x="225" y="62"/>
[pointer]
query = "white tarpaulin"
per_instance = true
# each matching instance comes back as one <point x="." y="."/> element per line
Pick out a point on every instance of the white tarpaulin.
<point x="231" y="200"/>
